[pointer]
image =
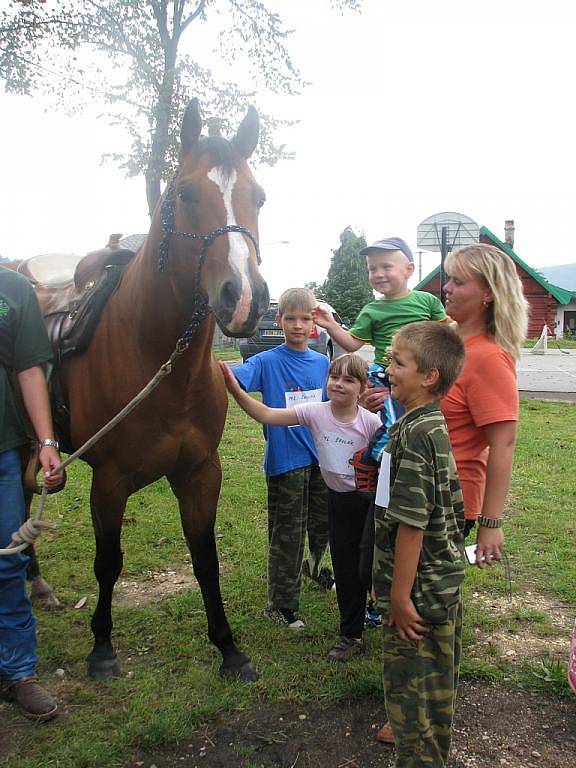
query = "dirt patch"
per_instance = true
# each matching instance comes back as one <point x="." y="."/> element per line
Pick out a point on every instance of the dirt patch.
<point x="154" y="587"/>
<point x="508" y="728"/>
<point x="494" y="726"/>
<point x="533" y="637"/>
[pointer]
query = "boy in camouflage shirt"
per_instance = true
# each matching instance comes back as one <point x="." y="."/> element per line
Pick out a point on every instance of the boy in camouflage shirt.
<point x="419" y="551"/>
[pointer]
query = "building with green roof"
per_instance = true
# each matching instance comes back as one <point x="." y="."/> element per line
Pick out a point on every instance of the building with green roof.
<point x="549" y="304"/>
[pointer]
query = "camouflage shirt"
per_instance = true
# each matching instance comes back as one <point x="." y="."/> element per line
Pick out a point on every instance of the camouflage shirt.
<point x="424" y="493"/>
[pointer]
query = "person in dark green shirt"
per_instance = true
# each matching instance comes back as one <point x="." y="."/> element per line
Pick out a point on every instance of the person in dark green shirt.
<point x="24" y="348"/>
<point x="419" y="559"/>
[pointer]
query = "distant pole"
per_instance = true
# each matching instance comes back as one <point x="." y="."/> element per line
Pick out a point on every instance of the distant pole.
<point x="419" y="266"/>
<point x="443" y="254"/>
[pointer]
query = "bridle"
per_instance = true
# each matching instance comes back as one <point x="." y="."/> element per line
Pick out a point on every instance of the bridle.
<point x="167" y="218"/>
<point x="168" y="229"/>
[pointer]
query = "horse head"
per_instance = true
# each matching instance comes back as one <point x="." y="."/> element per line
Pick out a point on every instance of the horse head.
<point x="210" y="214"/>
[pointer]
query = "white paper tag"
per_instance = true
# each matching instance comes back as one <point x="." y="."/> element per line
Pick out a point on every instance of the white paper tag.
<point x="335" y="451"/>
<point x="383" y="487"/>
<point x="471" y="554"/>
<point x="303" y="396"/>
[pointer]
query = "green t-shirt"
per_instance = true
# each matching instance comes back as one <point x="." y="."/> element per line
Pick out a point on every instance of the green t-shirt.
<point x="424" y="493"/>
<point x="23" y="344"/>
<point x="379" y="320"/>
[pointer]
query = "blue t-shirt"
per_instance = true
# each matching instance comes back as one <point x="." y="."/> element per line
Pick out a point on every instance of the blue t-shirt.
<point x="286" y="377"/>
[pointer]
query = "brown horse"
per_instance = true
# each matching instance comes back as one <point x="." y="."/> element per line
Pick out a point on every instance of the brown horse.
<point x="201" y="250"/>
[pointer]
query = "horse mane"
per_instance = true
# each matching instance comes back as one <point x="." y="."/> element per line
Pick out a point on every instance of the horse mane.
<point x="222" y="152"/>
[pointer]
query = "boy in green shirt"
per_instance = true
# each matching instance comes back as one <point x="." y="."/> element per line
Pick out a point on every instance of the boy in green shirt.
<point x="390" y="265"/>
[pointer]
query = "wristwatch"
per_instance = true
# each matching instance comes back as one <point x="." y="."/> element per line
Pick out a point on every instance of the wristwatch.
<point x="490" y="522"/>
<point x="53" y="443"/>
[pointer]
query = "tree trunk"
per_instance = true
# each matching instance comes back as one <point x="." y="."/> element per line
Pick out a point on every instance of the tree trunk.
<point x="162" y="115"/>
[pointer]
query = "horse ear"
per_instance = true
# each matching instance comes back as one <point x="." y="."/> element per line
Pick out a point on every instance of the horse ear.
<point x="246" y="137"/>
<point x="191" y="126"/>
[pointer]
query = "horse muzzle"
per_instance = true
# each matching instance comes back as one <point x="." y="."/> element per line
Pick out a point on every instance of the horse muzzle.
<point x="238" y="308"/>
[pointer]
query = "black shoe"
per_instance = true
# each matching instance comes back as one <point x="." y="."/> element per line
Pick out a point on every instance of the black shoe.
<point x="346" y="648"/>
<point x="284" y="617"/>
<point x="323" y="578"/>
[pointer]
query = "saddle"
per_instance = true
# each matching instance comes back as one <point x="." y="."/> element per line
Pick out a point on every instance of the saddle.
<point x="72" y="300"/>
<point x="72" y="294"/>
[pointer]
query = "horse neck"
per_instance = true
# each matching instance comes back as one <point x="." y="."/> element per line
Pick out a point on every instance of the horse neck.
<point x="149" y="303"/>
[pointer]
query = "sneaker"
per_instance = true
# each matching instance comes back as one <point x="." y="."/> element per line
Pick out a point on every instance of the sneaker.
<point x="284" y="617"/>
<point x="345" y="648"/>
<point x="372" y="619"/>
<point x="572" y="662"/>
<point x="323" y="578"/>
<point x="34" y="702"/>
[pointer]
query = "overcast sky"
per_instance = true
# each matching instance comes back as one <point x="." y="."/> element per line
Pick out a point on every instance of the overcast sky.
<point x="415" y="107"/>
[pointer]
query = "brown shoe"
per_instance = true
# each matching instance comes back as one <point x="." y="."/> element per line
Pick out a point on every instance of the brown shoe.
<point x="385" y="735"/>
<point x="345" y="648"/>
<point x="33" y="700"/>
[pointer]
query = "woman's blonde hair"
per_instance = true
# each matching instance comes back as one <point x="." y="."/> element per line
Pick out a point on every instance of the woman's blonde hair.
<point x="350" y="365"/>
<point x="507" y="318"/>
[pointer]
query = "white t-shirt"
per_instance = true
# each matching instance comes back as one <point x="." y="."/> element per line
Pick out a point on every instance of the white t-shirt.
<point x="337" y="441"/>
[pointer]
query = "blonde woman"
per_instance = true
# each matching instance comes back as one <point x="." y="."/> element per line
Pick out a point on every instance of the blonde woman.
<point x="484" y="296"/>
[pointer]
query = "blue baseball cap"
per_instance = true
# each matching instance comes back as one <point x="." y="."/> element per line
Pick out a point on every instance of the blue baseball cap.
<point x="389" y="244"/>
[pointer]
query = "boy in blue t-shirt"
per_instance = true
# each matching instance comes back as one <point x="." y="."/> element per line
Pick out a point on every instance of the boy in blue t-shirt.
<point x="297" y="497"/>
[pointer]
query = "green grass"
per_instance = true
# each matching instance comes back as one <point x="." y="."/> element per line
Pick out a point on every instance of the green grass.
<point x="565" y="343"/>
<point x="171" y="683"/>
<point x="227" y="354"/>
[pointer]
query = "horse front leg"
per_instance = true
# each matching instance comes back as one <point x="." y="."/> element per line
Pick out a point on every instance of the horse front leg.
<point x="107" y="516"/>
<point x="197" y="493"/>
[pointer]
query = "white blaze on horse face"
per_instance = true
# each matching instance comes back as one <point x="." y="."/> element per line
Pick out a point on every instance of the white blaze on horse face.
<point x="238" y="252"/>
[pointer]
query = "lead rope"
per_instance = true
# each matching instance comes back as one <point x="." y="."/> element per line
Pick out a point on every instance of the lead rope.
<point x="32" y="528"/>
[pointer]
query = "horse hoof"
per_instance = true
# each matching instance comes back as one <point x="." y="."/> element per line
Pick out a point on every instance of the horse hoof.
<point x="46" y="600"/>
<point x="245" y="672"/>
<point x="42" y="594"/>
<point x="103" y="668"/>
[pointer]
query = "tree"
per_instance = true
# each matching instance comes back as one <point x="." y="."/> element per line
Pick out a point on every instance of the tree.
<point x="347" y="287"/>
<point x="129" y="55"/>
<point x="316" y="290"/>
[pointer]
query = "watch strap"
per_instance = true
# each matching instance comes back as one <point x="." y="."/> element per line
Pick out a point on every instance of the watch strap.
<point x="48" y="441"/>
<point x="490" y="522"/>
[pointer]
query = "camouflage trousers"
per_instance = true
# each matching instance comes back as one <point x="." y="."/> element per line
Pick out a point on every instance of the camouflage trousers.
<point x="297" y="505"/>
<point x="420" y="681"/>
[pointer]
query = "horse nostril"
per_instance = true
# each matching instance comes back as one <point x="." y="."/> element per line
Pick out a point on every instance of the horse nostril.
<point x="229" y="295"/>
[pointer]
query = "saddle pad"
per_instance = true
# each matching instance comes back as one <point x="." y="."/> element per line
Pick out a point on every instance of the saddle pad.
<point x="52" y="269"/>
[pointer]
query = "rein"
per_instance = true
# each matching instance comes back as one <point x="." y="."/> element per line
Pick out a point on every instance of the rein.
<point x="168" y="227"/>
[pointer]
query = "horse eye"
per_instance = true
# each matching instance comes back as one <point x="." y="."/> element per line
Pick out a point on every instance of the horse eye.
<point x="188" y="196"/>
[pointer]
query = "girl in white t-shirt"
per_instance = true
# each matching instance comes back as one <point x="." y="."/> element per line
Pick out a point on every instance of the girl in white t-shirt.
<point x="340" y="427"/>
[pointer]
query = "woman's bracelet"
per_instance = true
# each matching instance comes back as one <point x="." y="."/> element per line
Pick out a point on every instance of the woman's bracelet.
<point x="490" y="522"/>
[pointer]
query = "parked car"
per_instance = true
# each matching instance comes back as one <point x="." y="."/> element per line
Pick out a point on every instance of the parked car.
<point x="270" y="334"/>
